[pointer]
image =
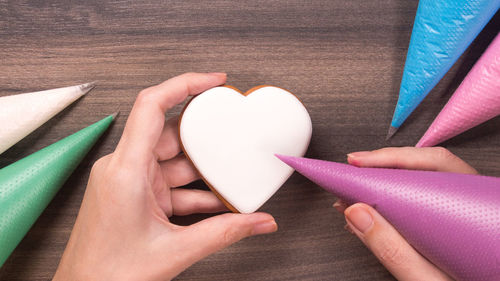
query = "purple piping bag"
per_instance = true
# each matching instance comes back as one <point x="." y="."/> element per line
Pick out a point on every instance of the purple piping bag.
<point x="451" y="219"/>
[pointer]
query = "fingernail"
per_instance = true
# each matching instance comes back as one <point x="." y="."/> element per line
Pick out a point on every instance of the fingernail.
<point x="217" y="73"/>
<point x="360" y="218"/>
<point x="354" y="157"/>
<point x="338" y="206"/>
<point x="263" y="227"/>
<point x="358" y="154"/>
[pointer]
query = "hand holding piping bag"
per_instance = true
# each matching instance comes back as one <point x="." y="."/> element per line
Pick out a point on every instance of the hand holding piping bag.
<point x="393" y="251"/>
<point x="122" y="231"/>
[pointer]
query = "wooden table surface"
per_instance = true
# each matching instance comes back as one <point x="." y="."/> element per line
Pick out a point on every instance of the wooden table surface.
<point x="344" y="59"/>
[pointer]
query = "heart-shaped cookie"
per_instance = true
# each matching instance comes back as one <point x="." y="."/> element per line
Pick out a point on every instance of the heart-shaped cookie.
<point x="231" y="138"/>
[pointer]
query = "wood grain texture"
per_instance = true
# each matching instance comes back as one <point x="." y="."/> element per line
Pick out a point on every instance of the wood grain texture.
<point x="344" y="59"/>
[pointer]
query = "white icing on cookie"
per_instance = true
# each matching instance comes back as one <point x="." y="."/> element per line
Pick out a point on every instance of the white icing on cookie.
<point x="231" y="139"/>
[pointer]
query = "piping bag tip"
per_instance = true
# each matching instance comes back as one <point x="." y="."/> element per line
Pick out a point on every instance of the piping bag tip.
<point x="289" y="160"/>
<point x="87" y="87"/>
<point x="392" y="131"/>
<point x="300" y="164"/>
<point x="114" y="115"/>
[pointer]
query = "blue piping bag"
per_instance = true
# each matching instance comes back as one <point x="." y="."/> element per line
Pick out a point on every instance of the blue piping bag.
<point x="442" y="30"/>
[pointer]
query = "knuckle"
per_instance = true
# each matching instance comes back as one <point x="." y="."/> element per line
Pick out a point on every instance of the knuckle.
<point x="187" y="87"/>
<point x="187" y="80"/>
<point x="443" y="153"/>
<point x="404" y="158"/>
<point x="235" y="230"/>
<point x="189" y="74"/>
<point x="392" y="252"/>
<point x="400" y="163"/>
<point x="230" y="236"/>
<point x="385" y="149"/>
<point x="144" y="95"/>
<point x="97" y="165"/>
<point x="100" y="163"/>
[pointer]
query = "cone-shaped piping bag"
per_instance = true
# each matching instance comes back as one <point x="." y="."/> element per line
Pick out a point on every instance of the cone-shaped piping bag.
<point x="22" y="114"/>
<point x="441" y="32"/>
<point x="476" y="100"/>
<point x="452" y="219"/>
<point x="28" y="185"/>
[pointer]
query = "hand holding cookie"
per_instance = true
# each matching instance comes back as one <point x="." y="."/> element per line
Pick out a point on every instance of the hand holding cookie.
<point x="122" y="230"/>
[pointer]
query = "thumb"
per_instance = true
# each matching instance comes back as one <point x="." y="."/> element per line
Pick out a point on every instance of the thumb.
<point x="387" y="244"/>
<point x="215" y="233"/>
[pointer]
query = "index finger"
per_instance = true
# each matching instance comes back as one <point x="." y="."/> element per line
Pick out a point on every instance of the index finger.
<point x="412" y="158"/>
<point x="146" y="120"/>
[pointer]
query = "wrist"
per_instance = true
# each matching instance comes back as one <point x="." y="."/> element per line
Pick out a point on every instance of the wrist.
<point x="73" y="266"/>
